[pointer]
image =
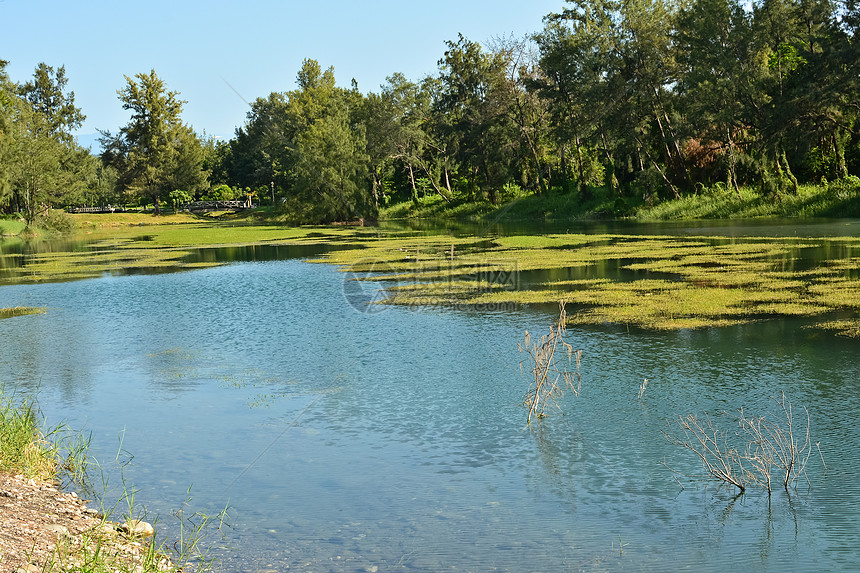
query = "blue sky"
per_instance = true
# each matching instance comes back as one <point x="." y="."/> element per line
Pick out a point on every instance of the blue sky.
<point x="255" y="46"/>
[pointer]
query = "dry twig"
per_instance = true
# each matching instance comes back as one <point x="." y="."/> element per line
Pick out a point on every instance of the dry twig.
<point x="550" y="375"/>
<point x="763" y="449"/>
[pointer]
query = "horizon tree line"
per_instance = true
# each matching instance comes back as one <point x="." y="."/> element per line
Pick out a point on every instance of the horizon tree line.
<point x="658" y="98"/>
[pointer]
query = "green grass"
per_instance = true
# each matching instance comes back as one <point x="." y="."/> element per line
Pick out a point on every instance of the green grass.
<point x="433" y="206"/>
<point x="834" y="200"/>
<point x="11" y="226"/>
<point x="552" y="205"/>
<point x="23" y="447"/>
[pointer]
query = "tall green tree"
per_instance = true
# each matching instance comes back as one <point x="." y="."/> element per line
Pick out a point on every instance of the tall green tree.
<point x="6" y="141"/>
<point x="45" y="162"/>
<point x="48" y="96"/>
<point x="718" y="82"/>
<point x="526" y="110"/>
<point x="574" y="50"/>
<point x="155" y="153"/>
<point x="332" y="169"/>
<point x="478" y="122"/>
<point x="330" y="149"/>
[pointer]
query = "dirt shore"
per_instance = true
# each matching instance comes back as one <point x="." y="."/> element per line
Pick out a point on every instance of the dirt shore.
<point x="44" y="529"/>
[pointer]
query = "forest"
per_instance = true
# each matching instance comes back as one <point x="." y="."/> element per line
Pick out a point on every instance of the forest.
<point x="648" y="98"/>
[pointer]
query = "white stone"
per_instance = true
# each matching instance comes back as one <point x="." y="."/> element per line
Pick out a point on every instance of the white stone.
<point x="138" y="528"/>
<point x="58" y="529"/>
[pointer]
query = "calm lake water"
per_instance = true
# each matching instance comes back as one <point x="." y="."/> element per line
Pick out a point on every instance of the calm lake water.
<point x="349" y="441"/>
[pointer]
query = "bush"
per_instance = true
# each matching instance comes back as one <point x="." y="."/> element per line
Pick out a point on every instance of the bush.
<point x="651" y="184"/>
<point x="179" y="197"/>
<point x="511" y="191"/>
<point x="769" y="450"/>
<point x="845" y="188"/>
<point x="221" y="192"/>
<point x="55" y="221"/>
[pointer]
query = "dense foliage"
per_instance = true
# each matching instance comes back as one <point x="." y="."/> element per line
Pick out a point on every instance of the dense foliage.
<point x="648" y="98"/>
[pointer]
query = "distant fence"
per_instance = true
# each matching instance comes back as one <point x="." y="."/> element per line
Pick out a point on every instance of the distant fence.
<point x="192" y="206"/>
<point x="217" y="206"/>
<point x="102" y="209"/>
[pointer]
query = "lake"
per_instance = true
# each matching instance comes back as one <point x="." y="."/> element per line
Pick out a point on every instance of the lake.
<point x="348" y="438"/>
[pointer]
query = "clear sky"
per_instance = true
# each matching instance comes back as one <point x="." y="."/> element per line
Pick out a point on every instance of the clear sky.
<point x="220" y="55"/>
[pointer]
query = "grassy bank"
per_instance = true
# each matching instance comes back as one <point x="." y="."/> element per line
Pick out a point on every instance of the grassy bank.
<point x="552" y="205"/>
<point x="11" y="226"/>
<point x="835" y="199"/>
<point x="23" y="447"/>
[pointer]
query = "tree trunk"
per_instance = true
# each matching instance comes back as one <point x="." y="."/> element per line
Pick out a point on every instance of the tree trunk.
<point x="733" y="177"/>
<point x="613" y="179"/>
<point x="564" y="187"/>
<point x="412" y="183"/>
<point x="433" y="182"/>
<point x="374" y="181"/>
<point x="841" y="166"/>
<point x="791" y="177"/>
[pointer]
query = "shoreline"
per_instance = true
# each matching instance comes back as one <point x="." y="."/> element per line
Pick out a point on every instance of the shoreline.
<point x="42" y="527"/>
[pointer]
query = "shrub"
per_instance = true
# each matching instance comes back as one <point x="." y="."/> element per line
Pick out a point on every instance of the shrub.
<point x="221" y="192"/>
<point x="551" y="374"/>
<point x="55" y="221"/>
<point x="844" y="188"/>
<point x="22" y="446"/>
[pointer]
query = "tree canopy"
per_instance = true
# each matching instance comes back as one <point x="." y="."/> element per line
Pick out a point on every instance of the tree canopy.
<point x="155" y="153"/>
<point x="647" y="98"/>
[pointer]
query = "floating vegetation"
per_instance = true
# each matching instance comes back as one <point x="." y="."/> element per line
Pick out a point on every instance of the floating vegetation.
<point x="650" y="281"/>
<point x="130" y="248"/>
<point x="654" y="282"/>
<point x="844" y="327"/>
<point x="20" y="311"/>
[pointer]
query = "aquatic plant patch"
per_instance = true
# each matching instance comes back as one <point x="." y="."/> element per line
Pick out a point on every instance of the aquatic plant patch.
<point x="678" y="282"/>
<point x="19" y="311"/>
<point x="650" y="281"/>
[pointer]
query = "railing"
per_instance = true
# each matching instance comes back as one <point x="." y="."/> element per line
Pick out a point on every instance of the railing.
<point x="102" y="209"/>
<point x="192" y="206"/>
<point x="217" y="205"/>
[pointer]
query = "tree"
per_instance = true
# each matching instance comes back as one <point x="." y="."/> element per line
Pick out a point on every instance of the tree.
<point x="216" y="159"/>
<point x="6" y="99"/>
<point x="155" y="152"/>
<point x="477" y="113"/>
<point x="717" y="85"/>
<point x="259" y="153"/>
<point x="47" y="95"/>
<point x="44" y="160"/>
<point x="332" y="169"/>
<point x="525" y="109"/>
<point x="399" y="136"/>
<point x="574" y="58"/>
